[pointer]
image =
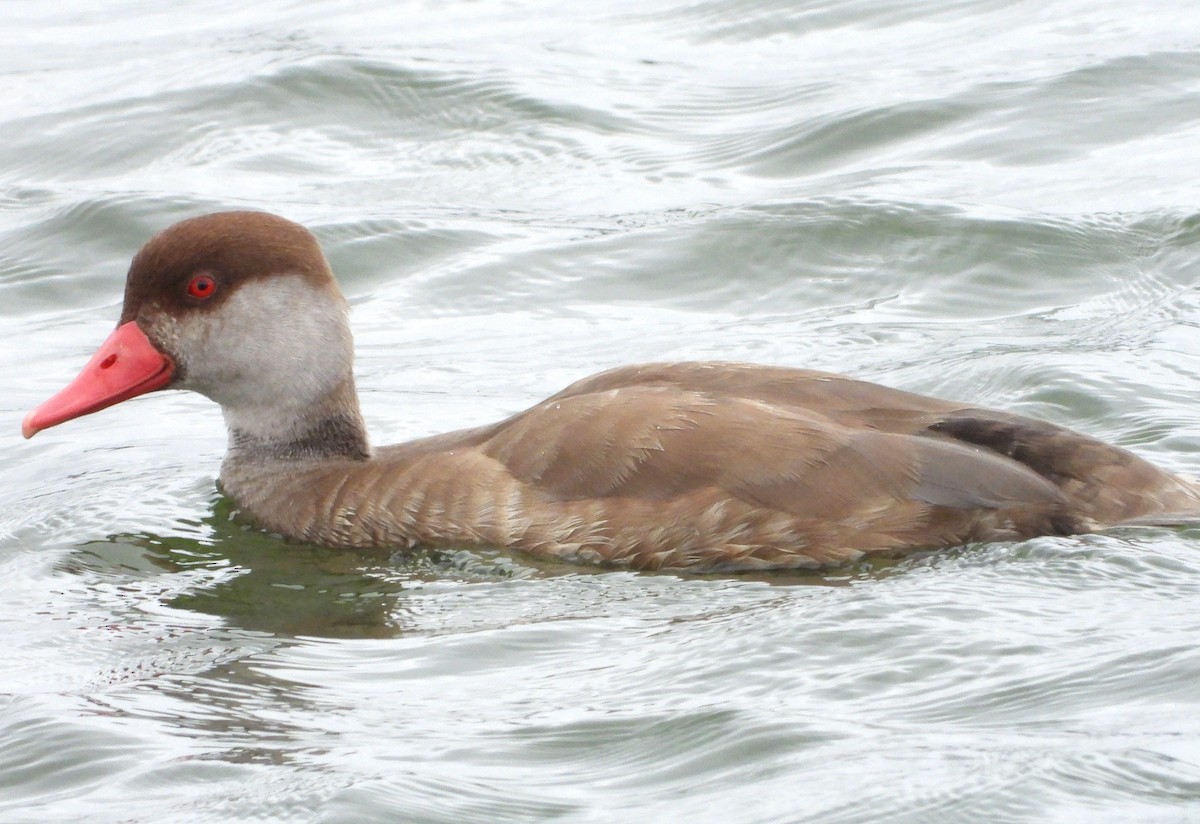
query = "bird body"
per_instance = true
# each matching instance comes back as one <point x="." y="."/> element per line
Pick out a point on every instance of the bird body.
<point x="699" y="466"/>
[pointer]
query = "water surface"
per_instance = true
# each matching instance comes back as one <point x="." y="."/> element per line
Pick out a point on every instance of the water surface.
<point x="987" y="201"/>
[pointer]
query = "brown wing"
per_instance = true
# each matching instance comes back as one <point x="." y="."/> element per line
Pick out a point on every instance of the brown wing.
<point x="648" y="441"/>
<point x="964" y="457"/>
<point x="847" y="401"/>
<point x="1102" y="482"/>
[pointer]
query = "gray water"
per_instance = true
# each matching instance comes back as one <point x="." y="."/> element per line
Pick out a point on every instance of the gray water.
<point x="990" y="201"/>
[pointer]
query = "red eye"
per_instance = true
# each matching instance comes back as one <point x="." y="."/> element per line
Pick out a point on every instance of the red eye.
<point x="202" y="287"/>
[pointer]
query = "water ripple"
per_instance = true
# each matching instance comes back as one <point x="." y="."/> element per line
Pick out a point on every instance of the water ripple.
<point x="967" y="199"/>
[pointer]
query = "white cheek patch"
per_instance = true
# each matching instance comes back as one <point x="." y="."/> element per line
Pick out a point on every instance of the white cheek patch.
<point x="275" y="347"/>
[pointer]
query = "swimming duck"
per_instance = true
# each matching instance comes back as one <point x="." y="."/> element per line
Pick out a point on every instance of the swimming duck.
<point x="698" y="466"/>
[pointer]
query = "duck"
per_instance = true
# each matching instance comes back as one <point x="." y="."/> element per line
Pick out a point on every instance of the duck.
<point x="690" y="466"/>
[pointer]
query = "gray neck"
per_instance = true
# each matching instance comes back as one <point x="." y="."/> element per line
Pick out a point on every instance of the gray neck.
<point x="330" y="429"/>
<point x="328" y="439"/>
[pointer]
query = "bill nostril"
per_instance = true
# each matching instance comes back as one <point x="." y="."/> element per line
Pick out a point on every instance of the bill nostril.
<point x="107" y="362"/>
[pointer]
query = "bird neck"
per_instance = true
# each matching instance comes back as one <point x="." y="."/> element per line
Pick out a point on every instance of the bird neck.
<point x="327" y="429"/>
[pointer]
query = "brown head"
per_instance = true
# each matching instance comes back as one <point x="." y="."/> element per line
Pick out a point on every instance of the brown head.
<point x="238" y="306"/>
<point x="229" y="247"/>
